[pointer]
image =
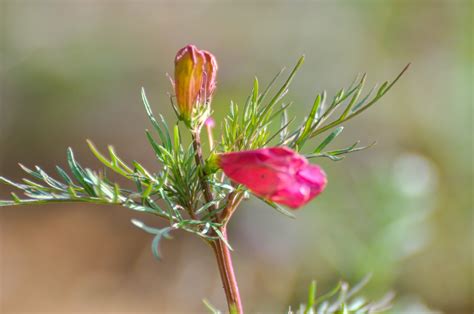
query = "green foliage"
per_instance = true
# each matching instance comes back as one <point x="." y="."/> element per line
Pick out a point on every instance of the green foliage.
<point x="340" y="300"/>
<point x="84" y="186"/>
<point x="249" y="128"/>
<point x="177" y="185"/>
<point x="343" y="300"/>
<point x="351" y="105"/>
<point x="158" y="233"/>
<point x="185" y="192"/>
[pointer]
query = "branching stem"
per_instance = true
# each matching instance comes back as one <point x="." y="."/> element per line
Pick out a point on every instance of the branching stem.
<point x="221" y="250"/>
<point x="200" y="163"/>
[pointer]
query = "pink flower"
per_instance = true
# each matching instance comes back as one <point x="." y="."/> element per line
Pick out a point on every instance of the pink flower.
<point x="194" y="78"/>
<point x="278" y="174"/>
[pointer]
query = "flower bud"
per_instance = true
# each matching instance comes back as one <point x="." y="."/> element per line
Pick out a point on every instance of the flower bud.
<point x="278" y="174"/>
<point x="210" y="69"/>
<point x="195" y="78"/>
<point x="188" y="78"/>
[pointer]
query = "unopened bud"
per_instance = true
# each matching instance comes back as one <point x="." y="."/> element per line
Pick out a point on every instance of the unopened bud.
<point x="194" y="79"/>
<point x="210" y="69"/>
<point x="188" y="78"/>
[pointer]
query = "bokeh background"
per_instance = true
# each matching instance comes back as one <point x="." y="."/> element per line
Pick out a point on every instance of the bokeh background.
<point x="403" y="210"/>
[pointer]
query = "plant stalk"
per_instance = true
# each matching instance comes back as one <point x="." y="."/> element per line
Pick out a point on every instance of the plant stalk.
<point x="221" y="250"/>
<point x="226" y="270"/>
<point x="200" y="162"/>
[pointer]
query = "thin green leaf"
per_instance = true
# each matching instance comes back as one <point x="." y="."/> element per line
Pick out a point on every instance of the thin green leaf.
<point x="284" y="125"/>
<point x="210" y="307"/>
<point x="363" y="100"/>
<point x="14" y="184"/>
<point x="358" y="109"/>
<point x="116" y="196"/>
<point x="269" y="86"/>
<point x="309" y="121"/>
<point x="311" y="297"/>
<point x="115" y="159"/>
<point x="64" y="175"/>
<point x="350" y="149"/>
<point x="79" y="173"/>
<point x="55" y="184"/>
<point x="278" y="208"/>
<point x="327" y="155"/>
<point x="382" y="88"/>
<point x="177" y="140"/>
<point x="359" y="286"/>
<point x="255" y="91"/>
<point x="159" y="234"/>
<point x="329" y="295"/>
<point x="7" y="203"/>
<point x="32" y="173"/>
<point x="15" y="198"/>
<point x="285" y="86"/>
<point x="206" y="206"/>
<point x="154" y="144"/>
<point x="163" y="134"/>
<point x="155" y="244"/>
<point x="329" y="139"/>
<point x="354" y="98"/>
<point x="280" y="131"/>
<point x="166" y="132"/>
<point x="221" y="236"/>
<point x="72" y="192"/>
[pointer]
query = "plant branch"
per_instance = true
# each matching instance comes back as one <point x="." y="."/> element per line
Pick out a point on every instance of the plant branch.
<point x="219" y="246"/>
<point x="200" y="163"/>
<point x="233" y="202"/>
<point x="345" y="117"/>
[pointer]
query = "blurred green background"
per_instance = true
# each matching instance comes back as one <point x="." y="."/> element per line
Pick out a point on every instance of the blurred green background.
<point x="403" y="210"/>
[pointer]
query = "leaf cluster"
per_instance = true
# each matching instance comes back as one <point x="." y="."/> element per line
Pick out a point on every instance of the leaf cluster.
<point x="183" y="191"/>
<point x="84" y="185"/>
<point x="173" y="193"/>
<point x="343" y="300"/>
<point x="250" y="127"/>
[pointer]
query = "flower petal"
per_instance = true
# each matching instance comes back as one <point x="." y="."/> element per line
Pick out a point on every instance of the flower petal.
<point x="278" y="174"/>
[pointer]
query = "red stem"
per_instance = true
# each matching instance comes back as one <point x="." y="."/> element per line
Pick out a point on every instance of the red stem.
<point x="226" y="269"/>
